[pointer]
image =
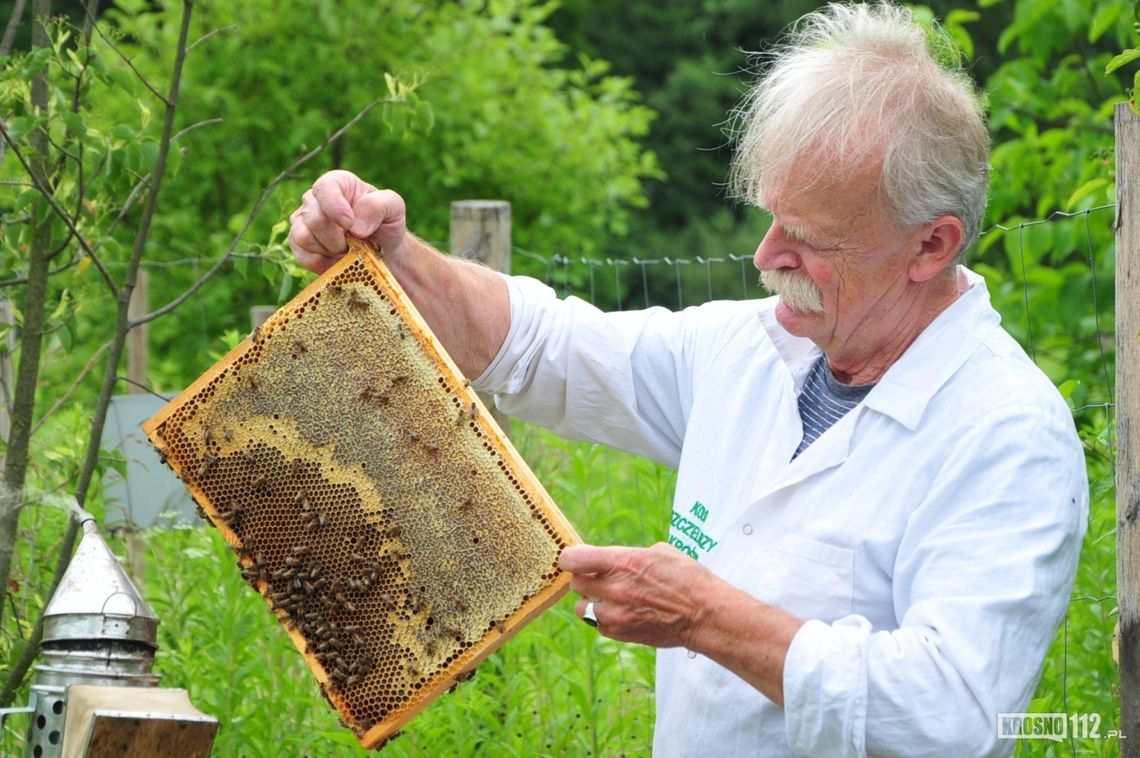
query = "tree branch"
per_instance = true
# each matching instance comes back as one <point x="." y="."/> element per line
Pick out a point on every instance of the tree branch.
<point x="74" y="386"/>
<point x="130" y="64"/>
<point x="143" y="387"/>
<point x="209" y="34"/>
<point x="261" y="199"/>
<point x="192" y="127"/>
<point x="13" y="24"/>
<point x="48" y="195"/>
<point x="24" y="280"/>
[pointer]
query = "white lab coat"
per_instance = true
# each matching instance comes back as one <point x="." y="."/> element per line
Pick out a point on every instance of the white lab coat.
<point x="930" y="537"/>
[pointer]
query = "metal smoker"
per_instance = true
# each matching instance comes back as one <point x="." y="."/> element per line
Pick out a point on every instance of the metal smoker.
<point x="93" y="692"/>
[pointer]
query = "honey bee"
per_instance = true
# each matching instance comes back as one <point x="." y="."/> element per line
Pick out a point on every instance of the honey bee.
<point x="207" y="464"/>
<point x="356" y="302"/>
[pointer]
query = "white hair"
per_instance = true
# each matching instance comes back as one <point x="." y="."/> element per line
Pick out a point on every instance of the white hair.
<point x="864" y="86"/>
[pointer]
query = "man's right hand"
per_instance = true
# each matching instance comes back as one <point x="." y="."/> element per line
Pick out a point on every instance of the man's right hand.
<point x="341" y="202"/>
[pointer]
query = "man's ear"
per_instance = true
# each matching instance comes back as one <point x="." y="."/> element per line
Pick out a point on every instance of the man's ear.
<point x="940" y="240"/>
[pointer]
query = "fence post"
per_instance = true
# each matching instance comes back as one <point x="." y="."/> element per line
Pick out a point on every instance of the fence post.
<point x="1128" y="421"/>
<point x="481" y="231"/>
<point x="259" y="314"/>
<point x="137" y="351"/>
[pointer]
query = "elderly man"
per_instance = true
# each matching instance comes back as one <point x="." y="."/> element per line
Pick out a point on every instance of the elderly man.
<point x="880" y="500"/>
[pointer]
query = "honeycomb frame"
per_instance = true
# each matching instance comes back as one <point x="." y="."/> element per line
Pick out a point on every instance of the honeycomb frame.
<point x="354" y="471"/>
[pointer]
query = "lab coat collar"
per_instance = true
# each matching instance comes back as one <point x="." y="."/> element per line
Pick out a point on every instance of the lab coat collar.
<point x="908" y="386"/>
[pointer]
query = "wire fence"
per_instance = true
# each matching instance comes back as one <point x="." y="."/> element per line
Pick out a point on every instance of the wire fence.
<point x="1050" y="278"/>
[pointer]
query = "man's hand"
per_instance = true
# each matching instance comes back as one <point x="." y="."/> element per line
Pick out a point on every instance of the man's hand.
<point x="647" y="595"/>
<point x="341" y="202"/>
<point x="658" y="596"/>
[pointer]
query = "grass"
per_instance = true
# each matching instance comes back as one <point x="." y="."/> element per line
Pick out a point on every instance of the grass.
<point x="557" y="688"/>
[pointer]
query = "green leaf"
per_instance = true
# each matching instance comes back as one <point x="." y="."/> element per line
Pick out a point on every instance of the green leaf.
<point x="1086" y="189"/>
<point x="962" y="17"/>
<point x="35" y="62"/>
<point x="1123" y="59"/>
<point x="19" y="127"/>
<point x="1105" y="16"/>
<point x="123" y="132"/>
<point x="1068" y="387"/>
<point x="24" y="199"/>
<point x="286" y="286"/>
<point x="278" y="231"/>
<point x="75" y="124"/>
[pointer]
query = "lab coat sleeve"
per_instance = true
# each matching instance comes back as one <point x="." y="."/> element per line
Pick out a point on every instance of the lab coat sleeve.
<point x="982" y="580"/>
<point x="623" y="379"/>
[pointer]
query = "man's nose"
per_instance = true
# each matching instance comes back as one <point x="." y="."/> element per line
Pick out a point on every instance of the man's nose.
<point x="775" y="251"/>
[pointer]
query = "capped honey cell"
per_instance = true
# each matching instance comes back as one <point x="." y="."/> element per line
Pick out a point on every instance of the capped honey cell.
<point x="370" y="498"/>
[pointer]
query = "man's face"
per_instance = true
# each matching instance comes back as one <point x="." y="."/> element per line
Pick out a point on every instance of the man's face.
<point x="838" y="263"/>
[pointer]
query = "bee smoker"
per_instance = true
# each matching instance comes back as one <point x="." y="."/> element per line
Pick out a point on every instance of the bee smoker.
<point x="93" y="692"/>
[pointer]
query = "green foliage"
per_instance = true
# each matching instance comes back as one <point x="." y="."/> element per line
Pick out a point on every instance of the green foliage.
<point x="480" y="101"/>
<point x="1106" y="16"/>
<point x="1051" y="106"/>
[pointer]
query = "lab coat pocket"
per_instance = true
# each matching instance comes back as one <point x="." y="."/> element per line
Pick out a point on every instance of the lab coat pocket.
<point x="811" y="579"/>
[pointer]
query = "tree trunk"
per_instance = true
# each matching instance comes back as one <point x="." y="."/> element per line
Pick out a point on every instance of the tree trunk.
<point x="31" y="338"/>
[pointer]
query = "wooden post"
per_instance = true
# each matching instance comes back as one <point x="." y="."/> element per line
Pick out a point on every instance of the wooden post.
<point x="1128" y="421"/>
<point x="137" y="338"/>
<point x="481" y="231"/>
<point x="259" y="314"/>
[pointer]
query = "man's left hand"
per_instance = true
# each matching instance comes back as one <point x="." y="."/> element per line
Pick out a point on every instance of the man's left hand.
<point x="647" y="595"/>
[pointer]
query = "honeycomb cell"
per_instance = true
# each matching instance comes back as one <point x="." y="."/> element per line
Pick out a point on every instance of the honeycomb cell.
<point x="369" y="496"/>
